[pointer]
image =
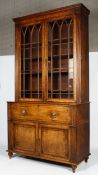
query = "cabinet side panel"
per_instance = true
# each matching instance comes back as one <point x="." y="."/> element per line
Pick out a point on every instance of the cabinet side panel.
<point x="10" y="129"/>
<point x="84" y="59"/>
<point x="83" y="132"/>
<point x="82" y="141"/>
<point x="82" y="113"/>
<point x="17" y="61"/>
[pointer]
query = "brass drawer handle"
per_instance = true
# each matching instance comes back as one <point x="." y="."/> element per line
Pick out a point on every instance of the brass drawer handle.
<point x="53" y="115"/>
<point x="23" y="112"/>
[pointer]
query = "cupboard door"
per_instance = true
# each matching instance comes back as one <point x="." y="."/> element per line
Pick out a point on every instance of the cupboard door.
<point x="25" y="137"/>
<point x="54" y="141"/>
<point x="31" y="62"/>
<point x="60" y="59"/>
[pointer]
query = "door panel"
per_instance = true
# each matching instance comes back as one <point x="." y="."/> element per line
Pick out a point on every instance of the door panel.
<point x="60" y="59"/>
<point x="31" y="62"/>
<point x="54" y="141"/>
<point x="25" y="137"/>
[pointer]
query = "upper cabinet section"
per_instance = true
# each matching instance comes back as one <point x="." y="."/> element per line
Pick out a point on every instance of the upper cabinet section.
<point x="49" y="49"/>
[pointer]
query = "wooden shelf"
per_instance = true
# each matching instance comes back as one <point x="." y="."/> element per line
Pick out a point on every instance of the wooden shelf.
<point x="62" y="56"/>
<point x="33" y="73"/>
<point x="33" y="59"/>
<point x="28" y="44"/>
<point x="33" y="92"/>
<point x="62" y="40"/>
<point x="58" y="70"/>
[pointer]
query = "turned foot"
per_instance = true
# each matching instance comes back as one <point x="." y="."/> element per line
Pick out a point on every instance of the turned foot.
<point x="74" y="168"/>
<point x="10" y="154"/>
<point x="86" y="159"/>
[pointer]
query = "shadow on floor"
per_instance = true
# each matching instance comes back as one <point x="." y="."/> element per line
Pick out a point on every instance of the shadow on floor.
<point x="93" y="160"/>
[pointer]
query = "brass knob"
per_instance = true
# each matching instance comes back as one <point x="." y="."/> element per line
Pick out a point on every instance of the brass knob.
<point x="23" y="111"/>
<point x="53" y="115"/>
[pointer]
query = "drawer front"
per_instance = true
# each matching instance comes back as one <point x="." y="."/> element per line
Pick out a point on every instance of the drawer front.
<point x="40" y="112"/>
<point x="55" y="113"/>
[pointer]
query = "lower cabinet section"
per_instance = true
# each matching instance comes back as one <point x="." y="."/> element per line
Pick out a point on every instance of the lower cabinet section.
<point x="45" y="140"/>
<point x="48" y="134"/>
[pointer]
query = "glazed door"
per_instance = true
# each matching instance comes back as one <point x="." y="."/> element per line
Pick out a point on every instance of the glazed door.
<point x="24" y="137"/>
<point x="60" y="54"/>
<point x="54" y="141"/>
<point x="30" y="58"/>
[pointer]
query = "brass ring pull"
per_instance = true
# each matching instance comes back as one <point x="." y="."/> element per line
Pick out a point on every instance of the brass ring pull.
<point x="23" y="111"/>
<point x="53" y="115"/>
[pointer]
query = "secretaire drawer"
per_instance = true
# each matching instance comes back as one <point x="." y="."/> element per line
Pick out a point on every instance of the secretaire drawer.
<point x="39" y="112"/>
<point x="56" y="113"/>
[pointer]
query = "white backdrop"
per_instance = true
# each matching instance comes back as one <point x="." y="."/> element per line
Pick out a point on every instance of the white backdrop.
<point x="93" y="71"/>
<point x="7" y="93"/>
<point x="7" y="88"/>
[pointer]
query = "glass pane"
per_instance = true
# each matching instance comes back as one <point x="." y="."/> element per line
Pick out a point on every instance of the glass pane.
<point x="31" y="62"/>
<point x="60" y="59"/>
